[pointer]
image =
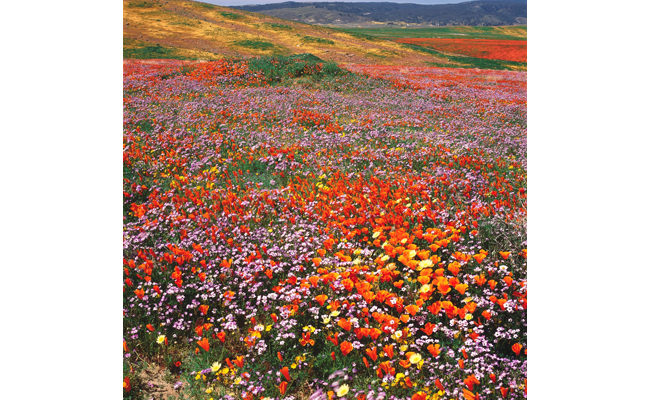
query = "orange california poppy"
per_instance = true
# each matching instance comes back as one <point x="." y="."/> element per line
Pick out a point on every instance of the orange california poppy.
<point x="443" y="285"/>
<point x="470" y="381"/>
<point x="469" y="395"/>
<point x="239" y="361"/>
<point x="388" y="350"/>
<point x="346" y="348"/>
<point x="434" y="349"/>
<point x="428" y="328"/>
<point x="454" y="267"/>
<point x="461" y="287"/>
<point x="412" y="309"/>
<point x="372" y="353"/>
<point x="320" y="299"/>
<point x="344" y="323"/>
<point x="285" y="372"/>
<point x="419" y="396"/>
<point x="204" y="344"/>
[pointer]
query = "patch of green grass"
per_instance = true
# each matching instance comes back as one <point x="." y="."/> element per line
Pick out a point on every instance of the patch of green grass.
<point x="141" y="4"/>
<point x="312" y="39"/>
<point x="186" y="23"/>
<point x="473" y="32"/>
<point x="255" y="44"/>
<point x="376" y="55"/>
<point x="206" y="5"/>
<point x="359" y="35"/>
<point x="156" y="51"/>
<point x="280" y="26"/>
<point x="233" y="16"/>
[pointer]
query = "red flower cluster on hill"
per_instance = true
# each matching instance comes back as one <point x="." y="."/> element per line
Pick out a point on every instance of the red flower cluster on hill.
<point x="507" y="50"/>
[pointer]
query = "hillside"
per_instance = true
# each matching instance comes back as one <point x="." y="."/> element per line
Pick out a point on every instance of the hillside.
<point x="182" y="29"/>
<point x="476" y="13"/>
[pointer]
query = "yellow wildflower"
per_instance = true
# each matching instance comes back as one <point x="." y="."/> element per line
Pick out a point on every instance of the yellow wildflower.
<point x="215" y="366"/>
<point x="415" y="358"/>
<point x="343" y="390"/>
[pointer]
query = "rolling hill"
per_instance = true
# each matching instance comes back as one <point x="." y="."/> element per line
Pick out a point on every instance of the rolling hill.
<point x="477" y="13"/>
<point x="184" y="29"/>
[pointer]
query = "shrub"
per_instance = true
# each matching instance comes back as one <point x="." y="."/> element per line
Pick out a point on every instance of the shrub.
<point x="311" y="39"/>
<point x="278" y="68"/>
<point x="255" y="44"/>
<point x="280" y="26"/>
<point x="230" y="15"/>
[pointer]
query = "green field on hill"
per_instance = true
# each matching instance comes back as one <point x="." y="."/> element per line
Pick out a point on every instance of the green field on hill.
<point x="518" y="32"/>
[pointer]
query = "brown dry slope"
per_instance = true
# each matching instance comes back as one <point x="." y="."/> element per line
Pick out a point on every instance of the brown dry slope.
<point x="194" y="30"/>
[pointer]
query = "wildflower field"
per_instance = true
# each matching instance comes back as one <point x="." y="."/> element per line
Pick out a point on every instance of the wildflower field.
<point x="506" y="50"/>
<point x="294" y="230"/>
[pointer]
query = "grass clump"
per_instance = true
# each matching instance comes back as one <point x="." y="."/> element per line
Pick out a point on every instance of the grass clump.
<point x="312" y="39"/>
<point x="206" y="5"/>
<point x="280" y="68"/>
<point x="230" y="15"/>
<point x="156" y="51"/>
<point x="255" y="44"/>
<point x="279" y="26"/>
<point x="141" y="4"/>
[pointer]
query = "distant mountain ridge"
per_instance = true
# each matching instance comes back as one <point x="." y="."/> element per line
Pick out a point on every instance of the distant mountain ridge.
<point x="473" y="13"/>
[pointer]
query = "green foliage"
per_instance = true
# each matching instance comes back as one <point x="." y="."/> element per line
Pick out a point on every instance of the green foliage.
<point x="454" y="32"/>
<point x="206" y="5"/>
<point x="330" y="68"/>
<point x="280" y="26"/>
<point x="358" y="34"/>
<point x="255" y="44"/>
<point x="156" y="51"/>
<point x="141" y="4"/>
<point x="376" y="55"/>
<point x="230" y="15"/>
<point x="280" y="68"/>
<point x="186" y="23"/>
<point x="312" y="39"/>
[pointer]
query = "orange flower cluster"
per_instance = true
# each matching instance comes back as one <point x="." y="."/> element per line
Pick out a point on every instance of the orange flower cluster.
<point x="507" y="50"/>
